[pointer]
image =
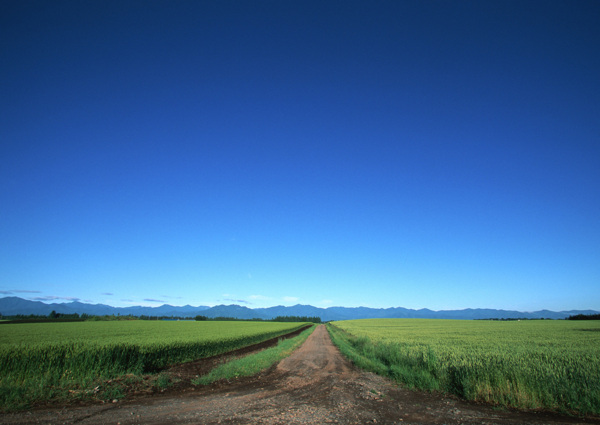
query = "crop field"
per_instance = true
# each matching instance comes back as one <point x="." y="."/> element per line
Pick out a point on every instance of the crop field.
<point x="541" y="364"/>
<point x="39" y="361"/>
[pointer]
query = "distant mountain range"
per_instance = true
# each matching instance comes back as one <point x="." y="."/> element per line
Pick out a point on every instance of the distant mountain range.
<point x="15" y="305"/>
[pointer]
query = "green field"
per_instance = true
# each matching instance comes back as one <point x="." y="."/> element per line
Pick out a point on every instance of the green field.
<point x="40" y="361"/>
<point x="547" y="364"/>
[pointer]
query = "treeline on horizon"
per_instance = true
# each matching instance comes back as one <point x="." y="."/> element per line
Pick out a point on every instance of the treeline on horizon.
<point x="76" y="317"/>
<point x="584" y="317"/>
<point x="575" y="317"/>
<point x="276" y="319"/>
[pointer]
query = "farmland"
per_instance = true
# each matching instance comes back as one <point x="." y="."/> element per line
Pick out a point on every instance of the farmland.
<point x="45" y="360"/>
<point x="553" y="365"/>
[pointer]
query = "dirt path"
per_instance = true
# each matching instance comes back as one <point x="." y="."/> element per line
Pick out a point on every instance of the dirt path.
<point x="315" y="385"/>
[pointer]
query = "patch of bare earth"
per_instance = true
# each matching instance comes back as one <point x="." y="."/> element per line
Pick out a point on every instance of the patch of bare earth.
<point x="315" y="385"/>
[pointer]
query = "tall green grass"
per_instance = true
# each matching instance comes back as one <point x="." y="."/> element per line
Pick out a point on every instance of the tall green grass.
<point x="47" y="360"/>
<point x="551" y="365"/>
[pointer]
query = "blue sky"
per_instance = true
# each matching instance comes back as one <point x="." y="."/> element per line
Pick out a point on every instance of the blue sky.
<point x="423" y="154"/>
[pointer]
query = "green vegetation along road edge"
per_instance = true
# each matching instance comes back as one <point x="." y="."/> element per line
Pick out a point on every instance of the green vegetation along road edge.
<point x="421" y="367"/>
<point x="255" y="363"/>
<point x="85" y="369"/>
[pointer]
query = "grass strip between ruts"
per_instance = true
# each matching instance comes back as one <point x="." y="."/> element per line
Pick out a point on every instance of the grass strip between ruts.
<point x="63" y="362"/>
<point x="254" y="363"/>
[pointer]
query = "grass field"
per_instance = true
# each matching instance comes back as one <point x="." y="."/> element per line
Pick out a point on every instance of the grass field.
<point x="546" y="364"/>
<point x="41" y="361"/>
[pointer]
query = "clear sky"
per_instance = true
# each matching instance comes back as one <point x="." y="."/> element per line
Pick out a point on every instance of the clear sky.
<point x="423" y="154"/>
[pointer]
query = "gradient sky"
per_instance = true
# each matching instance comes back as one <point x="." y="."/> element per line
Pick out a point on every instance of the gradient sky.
<point x="423" y="154"/>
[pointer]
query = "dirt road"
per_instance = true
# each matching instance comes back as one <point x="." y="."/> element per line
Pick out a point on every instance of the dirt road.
<point x="315" y="385"/>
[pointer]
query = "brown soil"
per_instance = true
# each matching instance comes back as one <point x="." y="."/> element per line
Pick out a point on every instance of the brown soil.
<point x="315" y="385"/>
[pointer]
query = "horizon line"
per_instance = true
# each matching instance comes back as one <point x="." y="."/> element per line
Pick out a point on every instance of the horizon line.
<point x="70" y="300"/>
